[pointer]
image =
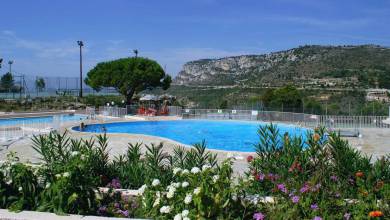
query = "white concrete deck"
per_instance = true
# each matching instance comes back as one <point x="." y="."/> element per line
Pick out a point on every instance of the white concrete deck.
<point x="30" y="215"/>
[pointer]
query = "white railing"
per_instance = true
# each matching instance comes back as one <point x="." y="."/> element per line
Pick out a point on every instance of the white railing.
<point x="18" y="130"/>
<point x="112" y="111"/>
<point x="309" y="120"/>
<point x="337" y="121"/>
<point x="91" y="113"/>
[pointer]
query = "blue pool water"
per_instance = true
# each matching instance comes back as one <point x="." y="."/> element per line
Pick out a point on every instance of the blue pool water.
<point x="220" y="135"/>
<point x="42" y="119"/>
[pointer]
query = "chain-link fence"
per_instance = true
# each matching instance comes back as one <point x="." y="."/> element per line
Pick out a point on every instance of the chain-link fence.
<point x="27" y="87"/>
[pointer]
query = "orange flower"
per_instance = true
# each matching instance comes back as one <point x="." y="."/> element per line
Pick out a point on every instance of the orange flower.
<point x="375" y="214"/>
<point x="359" y="174"/>
<point x="316" y="137"/>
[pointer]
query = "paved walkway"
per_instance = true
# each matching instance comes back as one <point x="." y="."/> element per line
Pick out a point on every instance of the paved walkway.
<point x="375" y="141"/>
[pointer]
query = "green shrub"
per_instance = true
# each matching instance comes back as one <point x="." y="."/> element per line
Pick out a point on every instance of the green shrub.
<point x="19" y="188"/>
<point x="320" y="175"/>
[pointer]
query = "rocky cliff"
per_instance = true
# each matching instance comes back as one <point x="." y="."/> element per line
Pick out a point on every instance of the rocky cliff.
<point x="302" y="65"/>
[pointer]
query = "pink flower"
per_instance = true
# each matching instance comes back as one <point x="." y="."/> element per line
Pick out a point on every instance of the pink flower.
<point x="261" y="176"/>
<point x="272" y="177"/>
<point x="115" y="184"/>
<point x="334" y="178"/>
<point x="304" y="188"/>
<point x="258" y="216"/>
<point x="347" y="216"/>
<point x="282" y="187"/>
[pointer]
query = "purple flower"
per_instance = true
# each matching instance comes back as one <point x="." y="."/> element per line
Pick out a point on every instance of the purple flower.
<point x="115" y="183"/>
<point x="317" y="218"/>
<point x="134" y="205"/>
<point x="314" y="206"/>
<point x="347" y="216"/>
<point x="273" y="177"/>
<point x="258" y="216"/>
<point x="282" y="187"/>
<point x="102" y="210"/>
<point x="337" y="195"/>
<point x="261" y="176"/>
<point x="304" y="188"/>
<point x="117" y="205"/>
<point x="334" y="178"/>
<point x="125" y="213"/>
<point x="295" y="199"/>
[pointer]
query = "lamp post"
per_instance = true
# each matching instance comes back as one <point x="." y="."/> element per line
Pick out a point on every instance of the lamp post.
<point x="10" y="66"/>
<point x="81" y="44"/>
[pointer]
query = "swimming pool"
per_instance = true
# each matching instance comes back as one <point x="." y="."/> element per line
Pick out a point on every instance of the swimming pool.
<point x="41" y="119"/>
<point x="219" y="135"/>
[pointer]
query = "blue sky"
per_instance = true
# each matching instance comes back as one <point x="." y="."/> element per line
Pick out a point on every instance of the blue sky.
<point x="40" y="35"/>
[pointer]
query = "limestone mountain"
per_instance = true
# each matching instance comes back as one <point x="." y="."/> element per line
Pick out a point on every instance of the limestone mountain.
<point x="308" y="66"/>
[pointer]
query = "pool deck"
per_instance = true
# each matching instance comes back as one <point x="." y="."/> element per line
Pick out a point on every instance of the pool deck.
<point x="375" y="142"/>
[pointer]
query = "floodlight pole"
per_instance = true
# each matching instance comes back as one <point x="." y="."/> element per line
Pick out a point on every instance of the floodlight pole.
<point x="81" y="44"/>
<point x="10" y="66"/>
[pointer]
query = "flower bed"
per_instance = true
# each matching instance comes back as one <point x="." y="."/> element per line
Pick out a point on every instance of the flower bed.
<point x="326" y="180"/>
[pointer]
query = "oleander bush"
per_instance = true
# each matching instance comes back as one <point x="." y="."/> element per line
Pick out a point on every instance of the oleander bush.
<point x="317" y="177"/>
<point x="71" y="170"/>
<point x="323" y="177"/>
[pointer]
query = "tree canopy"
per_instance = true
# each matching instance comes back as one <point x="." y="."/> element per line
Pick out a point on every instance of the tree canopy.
<point x="287" y="96"/>
<point x="40" y="84"/>
<point x="7" y="82"/>
<point x="128" y="76"/>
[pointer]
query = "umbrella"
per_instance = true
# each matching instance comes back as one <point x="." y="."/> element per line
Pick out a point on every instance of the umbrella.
<point x="149" y="98"/>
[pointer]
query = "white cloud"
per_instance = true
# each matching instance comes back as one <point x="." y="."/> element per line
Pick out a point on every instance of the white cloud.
<point x="42" y="49"/>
